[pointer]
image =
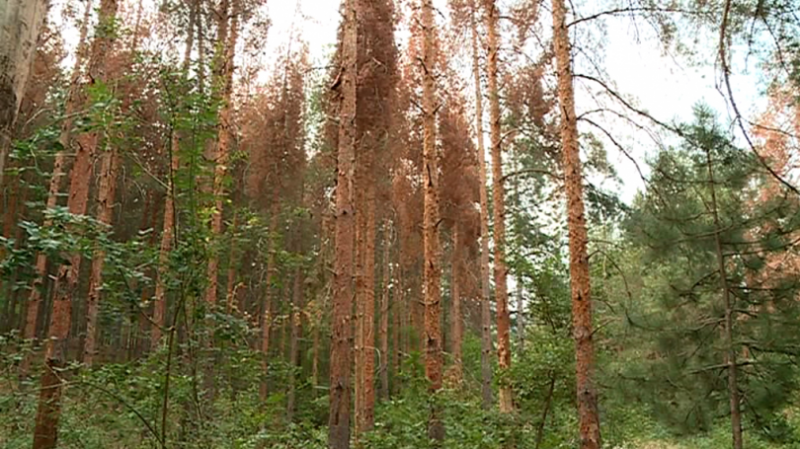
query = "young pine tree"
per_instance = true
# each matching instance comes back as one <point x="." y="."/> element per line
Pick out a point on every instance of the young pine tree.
<point x="725" y="313"/>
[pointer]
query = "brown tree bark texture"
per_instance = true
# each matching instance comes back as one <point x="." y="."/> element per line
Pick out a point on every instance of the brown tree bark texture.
<point x="223" y="151"/>
<point x="341" y="338"/>
<point x="106" y="198"/>
<point x="67" y="279"/>
<point x="432" y="257"/>
<point x="75" y="98"/>
<point x="576" y="221"/>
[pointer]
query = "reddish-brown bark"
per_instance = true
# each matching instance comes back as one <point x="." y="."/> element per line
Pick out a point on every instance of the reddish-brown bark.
<point x="432" y="256"/>
<point x="46" y="428"/>
<point x="223" y="150"/>
<point x="49" y="411"/>
<point x="578" y="238"/>
<point x="75" y="98"/>
<point x="376" y="65"/>
<point x="105" y="214"/>
<point x="341" y="338"/>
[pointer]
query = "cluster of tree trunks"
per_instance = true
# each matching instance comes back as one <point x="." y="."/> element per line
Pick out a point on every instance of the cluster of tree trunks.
<point x="365" y="84"/>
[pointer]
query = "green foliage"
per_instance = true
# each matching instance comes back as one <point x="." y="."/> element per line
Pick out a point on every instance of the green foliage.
<point x="675" y="362"/>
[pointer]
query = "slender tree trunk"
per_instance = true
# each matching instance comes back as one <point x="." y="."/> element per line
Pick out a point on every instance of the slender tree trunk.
<point x="20" y="22"/>
<point x="224" y="134"/>
<point x="456" y="315"/>
<point x="294" y="343"/>
<point x="148" y="211"/>
<point x="403" y="319"/>
<point x="730" y="356"/>
<point x="168" y="231"/>
<point x="106" y="198"/>
<point x="365" y="284"/>
<point x="341" y="340"/>
<point x="576" y="221"/>
<point x="383" y="331"/>
<point x="74" y="100"/>
<point x="9" y="223"/>
<point x="430" y="229"/>
<point x="369" y="305"/>
<point x="14" y="294"/>
<point x="315" y="353"/>
<point x="520" y="285"/>
<point x="267" y="306"/>
<point x="230" y="294"/>
<point x="547" y="403"/>
<point x="359" y="341"/>
<point x="498" y="194"/>
<point x="167" y="242"/>
<point x="223" y="150"/>
<point x="520" y="312"/>
<point x="49" y="409"/>
<point x="397" y="329"/>
<point x="486" y="313"/>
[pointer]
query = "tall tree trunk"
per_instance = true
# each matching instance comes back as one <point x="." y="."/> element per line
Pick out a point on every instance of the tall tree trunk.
<point x="106" y="198"/>
<point x="223" y="150"/>
<point x="167" y="243"/>
<point x="368" y="328"/>
<point x="75" y="98"/>
<point x="576" y="221"/>
<point x="294" y="341"/>
<point x="49" y="409"/>
<point x="135" y="345"/>
<point x="520" y="284"/>
<point x="383" y="331"/>
<point x="430" y="227"/>
<point x="455" y="283"/>
<point x="730" y="356"/>
<point x="498" y="195"/>
<point x="486" y="313"/>
<point x="315" y="353"/>
<point x="398" y="312"/>
<point x="268" y="304"/>
<point x="20" y="22"/>
<point x="359" y="341"/>
<point x="230" y="294"/>
<point x="365" y="285"/>
<point x="168" y="231"/>
<point x="9" y="223"/>
<point x="341" y="339"/>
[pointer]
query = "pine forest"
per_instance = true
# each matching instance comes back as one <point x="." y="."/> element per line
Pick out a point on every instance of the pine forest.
<point x="400" y="224"/>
